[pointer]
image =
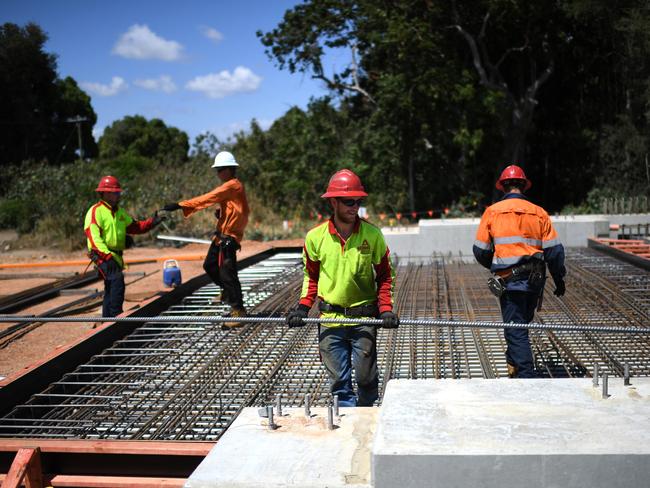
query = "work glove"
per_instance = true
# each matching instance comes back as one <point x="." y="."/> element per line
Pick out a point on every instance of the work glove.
<point x="110" y="267"/>
<point x="156" y="219"/>
<point x="560" y="287"/>
<point x="171" y="207"/>
<point x="295" y="317"/>
<point x="389" y="320"/>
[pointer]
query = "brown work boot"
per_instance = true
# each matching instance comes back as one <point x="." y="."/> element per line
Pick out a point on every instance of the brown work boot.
<point x="235" y="312"/>
<point x="512" y="370"/>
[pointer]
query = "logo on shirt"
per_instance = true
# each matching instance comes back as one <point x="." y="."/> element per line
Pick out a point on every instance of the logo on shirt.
<point x="364" y="248"/>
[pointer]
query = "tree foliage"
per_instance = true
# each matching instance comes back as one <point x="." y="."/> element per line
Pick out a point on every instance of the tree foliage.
<point x="437" y="97"/>
<point x="35" y="104"/>
<point x="137" y="136"/>
<point x="454" y="91"/>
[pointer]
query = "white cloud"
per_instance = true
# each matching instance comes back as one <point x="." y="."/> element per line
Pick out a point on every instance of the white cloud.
<point x="139" y="42"/>
<point x="117" y="85"/>
<point x="212" y="34"/>
<point x="163" y="83"/>
<point x="224" y="83"/>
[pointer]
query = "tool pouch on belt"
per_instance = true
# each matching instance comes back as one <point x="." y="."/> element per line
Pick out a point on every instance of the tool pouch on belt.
<point x="227" y="243"/>
<point x="497" y="285"/>
<point x="537" y="275"/>
<point x="361" y="311"/>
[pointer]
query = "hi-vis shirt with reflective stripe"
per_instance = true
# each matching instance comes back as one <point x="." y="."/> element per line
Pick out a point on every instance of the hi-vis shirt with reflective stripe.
<point x="347" y="273"/>
<point x="514" y="229"/>
<point x="106" y="230"/>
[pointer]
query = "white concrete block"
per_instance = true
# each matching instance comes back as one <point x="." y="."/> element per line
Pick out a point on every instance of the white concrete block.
<point x="513" y="433"/>
<point x="302" y="452"/>
<point x="574" y="230"/>
<point x="456" y="237"/>
<point x="628" y="219"/>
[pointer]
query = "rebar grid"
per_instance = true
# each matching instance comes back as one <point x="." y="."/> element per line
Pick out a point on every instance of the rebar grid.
<point x="170" y="381"/>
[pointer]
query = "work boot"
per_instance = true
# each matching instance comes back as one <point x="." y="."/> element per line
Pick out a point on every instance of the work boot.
<point x="235" y="312"/>
<point x="216" y="300"/>
<point x="512" y="370"/>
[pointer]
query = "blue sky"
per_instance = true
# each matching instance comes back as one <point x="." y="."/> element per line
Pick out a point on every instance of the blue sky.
<point x="197" y="64"/>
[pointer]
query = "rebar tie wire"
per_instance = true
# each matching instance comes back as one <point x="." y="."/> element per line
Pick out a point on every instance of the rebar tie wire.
<point x="215" y="319"/>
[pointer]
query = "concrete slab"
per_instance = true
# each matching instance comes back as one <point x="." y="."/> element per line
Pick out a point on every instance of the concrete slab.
<point x="513" y="433"/>
<point x="456" y="237"/>
<point x="302" y="452"/>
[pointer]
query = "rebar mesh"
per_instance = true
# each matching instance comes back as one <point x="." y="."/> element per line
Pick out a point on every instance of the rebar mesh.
<point x="169" y="381"/>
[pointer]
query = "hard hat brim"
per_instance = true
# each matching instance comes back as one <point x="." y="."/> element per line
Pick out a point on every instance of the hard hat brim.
<point x="229" y="165"/>
<point x="112" y="189"/>
<point x="343" y="193"/>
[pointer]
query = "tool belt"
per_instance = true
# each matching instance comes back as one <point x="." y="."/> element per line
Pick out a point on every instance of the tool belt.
<point x="534" y="271"/>
<point x="97" y="259"/>
<point x="370" y="310"/>
<point x="227" y="242"/>
<point x="522" y="271"/>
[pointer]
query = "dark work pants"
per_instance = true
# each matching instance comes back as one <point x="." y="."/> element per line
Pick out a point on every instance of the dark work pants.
<point x="221" y="265"/>
<point x="519" y="307"/>
<point x="113" y="290"/>
<point x="343" y="348"/>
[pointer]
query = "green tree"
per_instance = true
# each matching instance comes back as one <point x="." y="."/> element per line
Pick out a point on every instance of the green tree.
<point x="72" y="103"/>
<point x="35" y="104"/>
<point x="396" y="79"/>
<point x="290" y="163"/>
<point x="137" y="136"/>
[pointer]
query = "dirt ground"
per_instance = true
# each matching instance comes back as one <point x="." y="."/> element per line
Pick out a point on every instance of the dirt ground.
<point x="22" y="269"/>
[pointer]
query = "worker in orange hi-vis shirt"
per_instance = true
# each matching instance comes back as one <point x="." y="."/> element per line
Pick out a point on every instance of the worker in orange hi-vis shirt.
<point x="232" y="217"/>
<point x="516" y="241"/>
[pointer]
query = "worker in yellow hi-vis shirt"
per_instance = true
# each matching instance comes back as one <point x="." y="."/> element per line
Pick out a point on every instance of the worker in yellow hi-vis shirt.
<point x="106" y="227"/>
<point x="347" y="265"/>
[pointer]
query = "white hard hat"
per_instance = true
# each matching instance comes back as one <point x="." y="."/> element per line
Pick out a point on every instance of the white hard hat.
<point x="223" y="159"/>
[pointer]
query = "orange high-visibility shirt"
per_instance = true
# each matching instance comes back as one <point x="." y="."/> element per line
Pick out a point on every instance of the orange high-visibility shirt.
<point x="514" y="229"/>
<point x="234" y="207"/>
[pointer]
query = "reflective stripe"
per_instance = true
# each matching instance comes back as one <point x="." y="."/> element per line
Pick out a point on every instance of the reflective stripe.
<point x="507" y="261"/>
<point x="486" y="246"/>
<point x="551" y="243"/>
<point x="517" y="240"/>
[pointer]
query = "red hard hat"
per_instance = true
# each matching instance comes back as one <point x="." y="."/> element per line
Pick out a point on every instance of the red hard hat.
<point x="344" y="183"/>
<point x="108" y="184"/>
<point x="512" y="172"/>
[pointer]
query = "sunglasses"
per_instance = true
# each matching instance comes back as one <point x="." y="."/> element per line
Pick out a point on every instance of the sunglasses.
<point x="351" y="202"/>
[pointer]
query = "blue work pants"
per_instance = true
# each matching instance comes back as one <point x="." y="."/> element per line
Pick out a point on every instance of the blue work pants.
<point x="519" y="307"/>
<point x="113" y="289"/>
<point x="343" y="348"/>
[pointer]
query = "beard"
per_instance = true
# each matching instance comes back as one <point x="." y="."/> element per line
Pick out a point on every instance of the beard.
<point x="345" y="214"/>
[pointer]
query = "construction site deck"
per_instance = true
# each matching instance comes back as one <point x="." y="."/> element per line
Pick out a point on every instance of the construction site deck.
<point x="142" y="403"/>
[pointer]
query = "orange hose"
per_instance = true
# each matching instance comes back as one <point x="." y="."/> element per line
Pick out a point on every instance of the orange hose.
<point x="189" y="257"/>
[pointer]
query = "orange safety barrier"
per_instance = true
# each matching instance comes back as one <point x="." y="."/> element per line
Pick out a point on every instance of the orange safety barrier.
<point x="189" y="257"/>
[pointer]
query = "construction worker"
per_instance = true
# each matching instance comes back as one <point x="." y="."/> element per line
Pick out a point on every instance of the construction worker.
<point x="347" y="265"/>
<point x="106" y="227"/>
<point x="232" y="216"/>
<point x="516" y="241"/>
